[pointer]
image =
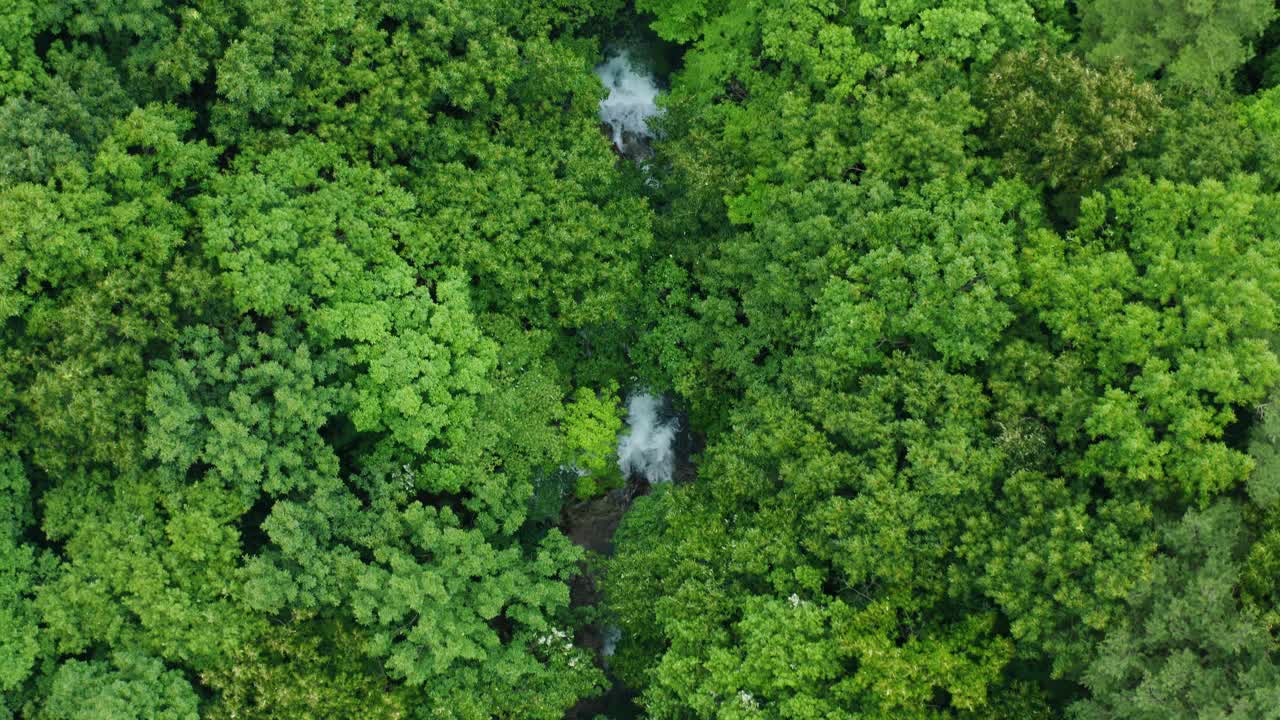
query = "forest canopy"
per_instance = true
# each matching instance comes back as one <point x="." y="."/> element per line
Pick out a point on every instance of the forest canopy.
<point x="680" y="359"/>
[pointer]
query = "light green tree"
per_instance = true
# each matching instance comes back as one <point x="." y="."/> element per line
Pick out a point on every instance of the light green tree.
<point x="130" y="686"/>
<point x="592" y="423"/>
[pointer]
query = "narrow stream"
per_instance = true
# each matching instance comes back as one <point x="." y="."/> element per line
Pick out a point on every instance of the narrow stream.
<point x="655" y="446"/>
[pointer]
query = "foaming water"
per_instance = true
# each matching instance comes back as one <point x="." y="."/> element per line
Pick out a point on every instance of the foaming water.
<point x="631" y="102"/>
<point x="648" y="449"/>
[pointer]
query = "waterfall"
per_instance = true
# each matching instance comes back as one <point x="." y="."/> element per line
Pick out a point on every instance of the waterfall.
<point x="648" y="448"/>
<point x="631" y="102"/>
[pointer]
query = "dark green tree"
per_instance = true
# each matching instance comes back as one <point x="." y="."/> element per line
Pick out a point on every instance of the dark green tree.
<point x="1191" y="44"/>
<point x="1205" y="135"/>
<point x="1187" y="648"/>
<point x="95" y="271"/>
<point x="22" y="643"/>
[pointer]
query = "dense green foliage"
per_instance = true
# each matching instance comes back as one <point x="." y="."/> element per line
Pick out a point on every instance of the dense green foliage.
<point x="1189" y="43"/>
<point x="317" y="320"/>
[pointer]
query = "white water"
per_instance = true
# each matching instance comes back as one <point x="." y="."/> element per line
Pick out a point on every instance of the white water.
<point x="612" y="634"/>
<point x="648" y="449"/>
<point x="630" y="104"/>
